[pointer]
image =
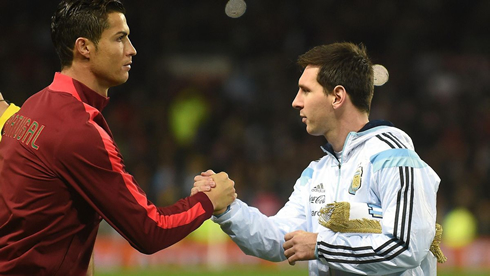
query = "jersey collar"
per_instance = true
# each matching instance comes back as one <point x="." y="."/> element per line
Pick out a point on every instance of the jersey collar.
<point x="64" y="83"/>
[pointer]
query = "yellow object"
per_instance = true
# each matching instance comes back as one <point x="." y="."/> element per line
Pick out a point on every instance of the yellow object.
<point x="209" y="232"/>
<point x="186" y="114"/>
<point x="459" y="228"/>
<point x="11" y="110"/>
<point x="435" y="248"/>
<point x="336" y="217"/>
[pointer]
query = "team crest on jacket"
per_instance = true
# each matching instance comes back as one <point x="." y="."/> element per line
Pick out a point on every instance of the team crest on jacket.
<point x="356" y="181"/>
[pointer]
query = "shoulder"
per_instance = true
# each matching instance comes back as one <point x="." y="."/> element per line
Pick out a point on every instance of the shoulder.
<point x="71" y="124"/>
<point x="396" y="158"/>
<point x="389" y="147"/>
<point x="384" y="138"/>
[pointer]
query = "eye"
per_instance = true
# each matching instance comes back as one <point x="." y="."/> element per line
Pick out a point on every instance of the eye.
<point x="122" y="37"/>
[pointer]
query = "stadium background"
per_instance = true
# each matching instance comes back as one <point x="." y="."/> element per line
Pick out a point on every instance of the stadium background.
<point x="209" y="91"/>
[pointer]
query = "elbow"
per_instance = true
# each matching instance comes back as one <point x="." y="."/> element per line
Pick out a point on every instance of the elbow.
<point x="149" y="247"/>
<point x="413" y="262"/>
<point x="415" y="257"/>
<point x="148" y="251"/>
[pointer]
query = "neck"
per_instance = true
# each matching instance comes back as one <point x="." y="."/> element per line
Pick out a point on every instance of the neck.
<point x="353" y="123"/>
<point x="87" y="78"/>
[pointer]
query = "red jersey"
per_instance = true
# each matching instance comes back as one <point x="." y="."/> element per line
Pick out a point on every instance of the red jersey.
<point x="61" y="173"/>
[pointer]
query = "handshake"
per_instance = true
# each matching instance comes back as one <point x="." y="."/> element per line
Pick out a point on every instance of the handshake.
<point x="218" y="187"/>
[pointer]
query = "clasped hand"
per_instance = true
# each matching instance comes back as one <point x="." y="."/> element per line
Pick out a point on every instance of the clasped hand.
<point x="218" y="187"/>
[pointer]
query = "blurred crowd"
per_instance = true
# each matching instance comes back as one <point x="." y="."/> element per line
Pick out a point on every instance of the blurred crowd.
<point x="209" y="91"/>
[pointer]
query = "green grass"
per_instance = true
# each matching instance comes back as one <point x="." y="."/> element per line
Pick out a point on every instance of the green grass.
<point x="204" y="273"/>
<point x="463" y="273"/>
<point x="244" y="271"/>
<point x="241" y="271"/>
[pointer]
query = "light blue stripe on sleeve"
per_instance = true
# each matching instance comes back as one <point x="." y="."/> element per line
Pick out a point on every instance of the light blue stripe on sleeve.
<point x="396" y="158"/>
<point x="306" y="175"/>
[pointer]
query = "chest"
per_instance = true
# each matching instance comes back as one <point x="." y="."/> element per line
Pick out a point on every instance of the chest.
<point x="351" y="181"/>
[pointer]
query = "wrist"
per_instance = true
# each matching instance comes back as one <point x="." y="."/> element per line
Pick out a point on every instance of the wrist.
<point x="221" y="212"/>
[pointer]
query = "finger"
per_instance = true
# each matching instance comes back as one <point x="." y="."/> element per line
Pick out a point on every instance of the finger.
<point x="203" y="186"/>
<point x="289" y="236"/>
<point x="292" y="260"/>
<point x="290" y="256"/>
<point x="201" y="177"/>
<point x="198" y="183"/>
<point x="194" y="191"/>
<point x="197" y="189"/>
<point x="208" y="173"/>
<point x="221" y="175"/>
<point x="208" y="181"/>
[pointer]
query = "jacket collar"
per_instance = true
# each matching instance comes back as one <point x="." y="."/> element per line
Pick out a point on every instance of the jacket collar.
<point x="64" y="83"/>
<point x="364" y="130"/>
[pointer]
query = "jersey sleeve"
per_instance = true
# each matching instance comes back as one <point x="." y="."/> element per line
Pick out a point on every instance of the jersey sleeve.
<point x="407" y="188"/>
<point x="11" y="110"/>
<point x="259" y="235"/>
<point x="89" y="161"/>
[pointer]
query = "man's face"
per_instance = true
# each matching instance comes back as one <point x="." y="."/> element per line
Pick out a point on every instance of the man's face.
<point x="111" y="61"/>
<point x="315" y="107"/>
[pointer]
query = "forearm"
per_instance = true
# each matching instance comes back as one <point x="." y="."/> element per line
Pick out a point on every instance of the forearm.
<point x="150" y="229"/>
<point x="97" y="173"/>
<point x="255" y="233"/>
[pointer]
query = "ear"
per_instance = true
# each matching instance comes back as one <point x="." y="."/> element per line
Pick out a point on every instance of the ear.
<point x="340" y="96"/>
<point x="83" y="47"/>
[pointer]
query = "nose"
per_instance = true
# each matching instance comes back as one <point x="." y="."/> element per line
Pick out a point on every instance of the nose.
<point x="298" y="101"/>
<point x="132" y="51"/>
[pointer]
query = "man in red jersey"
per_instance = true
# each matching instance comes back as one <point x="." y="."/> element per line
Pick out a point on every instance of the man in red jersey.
<point x="60" y="169"/>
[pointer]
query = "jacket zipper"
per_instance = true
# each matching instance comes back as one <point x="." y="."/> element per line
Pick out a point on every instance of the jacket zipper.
<point x="338" y="182"/>
<point x="340" y="166"/>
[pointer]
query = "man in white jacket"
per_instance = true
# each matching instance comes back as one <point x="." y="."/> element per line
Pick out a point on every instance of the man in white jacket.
<point x="365" y="161"/>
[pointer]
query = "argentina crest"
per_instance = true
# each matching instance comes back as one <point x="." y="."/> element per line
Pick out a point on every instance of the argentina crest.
<point x="356" y="181"/>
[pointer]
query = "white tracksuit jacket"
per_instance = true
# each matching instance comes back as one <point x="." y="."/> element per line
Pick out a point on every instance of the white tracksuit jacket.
<point x="378" y="165"/>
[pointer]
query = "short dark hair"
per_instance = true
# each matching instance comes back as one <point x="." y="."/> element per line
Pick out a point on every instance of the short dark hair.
<point x="343" y="64"/>
<point x="80" y="18"/>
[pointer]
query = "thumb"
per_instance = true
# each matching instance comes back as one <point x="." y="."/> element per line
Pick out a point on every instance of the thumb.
<point x="208" y="173"/>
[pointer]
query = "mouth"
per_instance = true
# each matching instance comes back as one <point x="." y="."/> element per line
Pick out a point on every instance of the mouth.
<point x="303" y="119"/>
<point x="128" y="65"/>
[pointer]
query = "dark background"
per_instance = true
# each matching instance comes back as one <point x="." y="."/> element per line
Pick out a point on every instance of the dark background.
<point x="209" y="91"/>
